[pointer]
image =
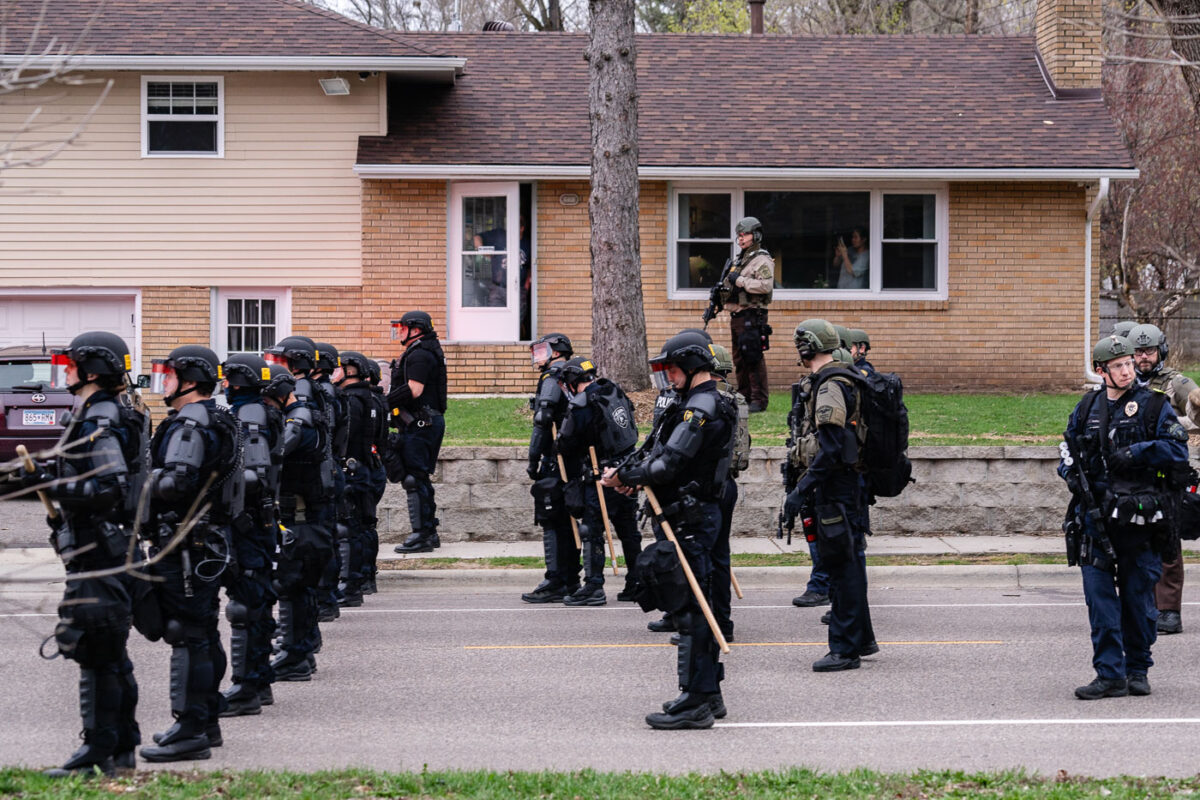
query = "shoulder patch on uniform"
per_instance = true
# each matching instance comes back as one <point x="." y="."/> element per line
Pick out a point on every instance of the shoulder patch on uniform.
<point x="1176" y="432"/>
<point x="688" y="415"/>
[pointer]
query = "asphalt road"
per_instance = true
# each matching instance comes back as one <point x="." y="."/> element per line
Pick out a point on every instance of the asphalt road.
<point x="968" y="679"/>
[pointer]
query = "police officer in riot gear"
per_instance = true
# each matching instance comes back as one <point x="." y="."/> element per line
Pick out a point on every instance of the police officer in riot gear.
<point x="830" y="491"/>
<point x="251" y="593"/>
<point x="306" y="509"/>
<point x="366" y="423"/>
<point x="105" y="441"/>
<point x="417" y="400"/>
<point x="687" y="468"/>
<point x="1150" y="351"/>
<point x="328" y="362"/>
<point x="739" y="443"/>
<point x="549" y="406"/>
<point x="1118" y="445"/>
<point x="599" y="419"/>
<point x="371" y="546"/>
<point x="196" y="471"/>
<point x="750" y="282"/>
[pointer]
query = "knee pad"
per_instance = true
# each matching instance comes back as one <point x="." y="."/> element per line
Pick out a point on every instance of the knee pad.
<point x="237" y="613"/>
<point x="173" y="632"/>
<point x="410" y="483"/>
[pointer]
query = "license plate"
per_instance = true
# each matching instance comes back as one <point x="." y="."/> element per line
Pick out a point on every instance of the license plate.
<point x="38" y="417"/>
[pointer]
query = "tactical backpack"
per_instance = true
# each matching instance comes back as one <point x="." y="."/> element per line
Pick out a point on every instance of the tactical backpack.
<point x="616" y="429"/>
<point x="740" y="443"/>
<point x="881" y="427"/>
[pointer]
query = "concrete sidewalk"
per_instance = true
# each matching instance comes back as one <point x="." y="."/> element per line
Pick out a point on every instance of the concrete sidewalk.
<point x="27" y="570"/>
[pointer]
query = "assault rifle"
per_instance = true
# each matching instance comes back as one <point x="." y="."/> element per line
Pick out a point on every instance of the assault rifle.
<point x="1078" y="545"/>
<point x="716" y="302"/>
<point x="790" y="477"/>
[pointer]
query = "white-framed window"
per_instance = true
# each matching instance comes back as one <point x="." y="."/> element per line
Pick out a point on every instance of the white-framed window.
<point x="247" y="320"/>
<point x="853" y="242"/>
<point x="183" y="116"/>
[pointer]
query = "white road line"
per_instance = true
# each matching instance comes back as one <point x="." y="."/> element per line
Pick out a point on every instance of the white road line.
<point x="959" y="723"/>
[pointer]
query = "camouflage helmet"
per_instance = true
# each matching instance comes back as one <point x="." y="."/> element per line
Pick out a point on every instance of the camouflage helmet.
<point x="1123" y="328"/>
<point x="843" y="355"/>
<point x="1110" y="347"/>
<point x="750" y="225"/>
<point x="814" y="336"/>
<point x="1144" y="336"/>
<point x="843" y="336"/>
<point x="722" y="360"/>
<point x="859" y="336"/>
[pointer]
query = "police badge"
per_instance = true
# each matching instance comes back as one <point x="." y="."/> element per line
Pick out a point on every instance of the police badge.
<point x="1131" y="408"/>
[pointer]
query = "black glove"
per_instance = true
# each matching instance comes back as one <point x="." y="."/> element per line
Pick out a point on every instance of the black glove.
<point x="532" y="470"/>
<point x="794" y="504"/>
<point x="36" y="478"/>
<point x="1074" y="485"/>
<point x="732" y="277"/>
<point x="1121" y="459"/>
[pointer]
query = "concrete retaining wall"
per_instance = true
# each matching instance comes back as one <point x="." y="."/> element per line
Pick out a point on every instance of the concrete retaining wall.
<point x="483" y="494"/>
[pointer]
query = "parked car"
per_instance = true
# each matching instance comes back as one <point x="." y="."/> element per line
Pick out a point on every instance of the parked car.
<point x="32" y="413"/>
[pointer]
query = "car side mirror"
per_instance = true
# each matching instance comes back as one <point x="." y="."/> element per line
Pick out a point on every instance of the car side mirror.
<point x="143" y="381"/>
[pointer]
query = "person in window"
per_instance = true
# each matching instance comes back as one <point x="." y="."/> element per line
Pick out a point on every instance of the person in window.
<point x="852" y="262"/>
<point x="497" y="239"/>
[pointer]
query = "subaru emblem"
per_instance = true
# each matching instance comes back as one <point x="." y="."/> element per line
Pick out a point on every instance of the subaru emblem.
<point x="38" y="397"/>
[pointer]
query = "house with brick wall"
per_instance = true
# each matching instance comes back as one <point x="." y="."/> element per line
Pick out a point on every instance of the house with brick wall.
<point x="453" y="177"/>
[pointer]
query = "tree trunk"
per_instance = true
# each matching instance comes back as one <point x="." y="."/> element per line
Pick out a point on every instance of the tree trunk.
<point x="618" y="320"/>
<point x="1180" y="17"/>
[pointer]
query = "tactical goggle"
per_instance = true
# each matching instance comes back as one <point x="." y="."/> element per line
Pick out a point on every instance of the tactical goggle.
<point x="658" y="374"/>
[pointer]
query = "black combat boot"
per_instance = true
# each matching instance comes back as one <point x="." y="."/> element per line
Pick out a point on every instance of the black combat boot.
<point x="241" y="701"/>
<point x="664" y="625"/>
<point x="419" y="542"/>
<point x="691" y="710"/>
<point x="1170" y="622"/>
<point x="99" y="698"/>
<point x="85" y="761"/>
<point x="266" y="696"/>
<point x="1103" y="687"/>
<point x="183" y="741"/>
<point x="292" y="669"/>
<point x="835" y="662"/>
<point x="716" y="704"/>
<point x="1139" y="684"/>
<point x="810" y="599"/>
<point x="548" y="591"/>
<point x="590" y="594"/>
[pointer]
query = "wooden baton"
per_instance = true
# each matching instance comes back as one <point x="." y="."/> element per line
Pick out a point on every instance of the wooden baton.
<point x="562" y="473"/>
<point x="604" y="510"/>
<point x="687" y="570"/>
<point x="51" y="511"/>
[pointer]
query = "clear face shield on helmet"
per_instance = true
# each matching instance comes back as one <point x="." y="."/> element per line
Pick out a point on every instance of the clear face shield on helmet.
<point x="158" y="376"/>
<point x="540" y="354"/>
<point x="59" y="362"/>
<point x="658" y="374"/>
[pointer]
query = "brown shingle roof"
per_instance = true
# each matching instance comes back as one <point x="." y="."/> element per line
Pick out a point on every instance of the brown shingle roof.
<point x="200" y="28"/>
<point x="886" y="102"/>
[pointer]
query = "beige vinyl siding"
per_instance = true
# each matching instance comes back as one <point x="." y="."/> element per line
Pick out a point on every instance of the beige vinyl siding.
<point x="282" y="207"/>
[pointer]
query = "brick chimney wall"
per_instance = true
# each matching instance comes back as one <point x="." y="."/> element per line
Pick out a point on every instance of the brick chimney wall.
<point x="1068" y="37"/>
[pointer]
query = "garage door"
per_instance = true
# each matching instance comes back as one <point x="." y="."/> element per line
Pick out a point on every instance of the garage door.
<point x="25" y="318"/>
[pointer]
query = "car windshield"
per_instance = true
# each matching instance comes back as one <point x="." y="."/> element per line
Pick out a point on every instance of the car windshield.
<point x="23" y="372"/>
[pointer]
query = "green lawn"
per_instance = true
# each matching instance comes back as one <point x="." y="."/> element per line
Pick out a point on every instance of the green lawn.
<point x="780" y="785"/>
<point x="934" y="419"/>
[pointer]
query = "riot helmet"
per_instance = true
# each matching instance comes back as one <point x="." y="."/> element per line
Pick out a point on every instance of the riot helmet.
<point x="1147" y="336"/>
<point x="280" y="385"/>
<point x="189" y="362"/>
<point x="751" y="225"/>
<point x="98" y="353"/>
<point x="374" y="372"/>
<point x="294" y="352"/>
<point x="814" y="336"/>
<point x="246" y="371"/>
<point x="1123" y="328"/>
<point x="327" y="357"/>
<point x="574" y="372"/>
<point x="690" y="351"/>
<point x="417" y="321"/>
<point x="361" y="364"/>
<point x="548" y="347"/>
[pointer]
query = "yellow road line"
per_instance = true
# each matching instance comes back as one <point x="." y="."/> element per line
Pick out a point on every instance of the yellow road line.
<point x="739" y="644"/>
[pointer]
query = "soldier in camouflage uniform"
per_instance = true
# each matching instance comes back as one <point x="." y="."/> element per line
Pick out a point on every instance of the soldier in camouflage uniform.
<point x="1149" y="356"/>
<point x="750" y="283"/>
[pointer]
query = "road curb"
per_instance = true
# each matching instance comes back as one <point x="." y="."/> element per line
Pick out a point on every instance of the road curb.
<point x="1004" y="576"/>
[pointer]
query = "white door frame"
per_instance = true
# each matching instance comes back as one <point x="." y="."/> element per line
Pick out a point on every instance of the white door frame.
<point x="481" y="323"/>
